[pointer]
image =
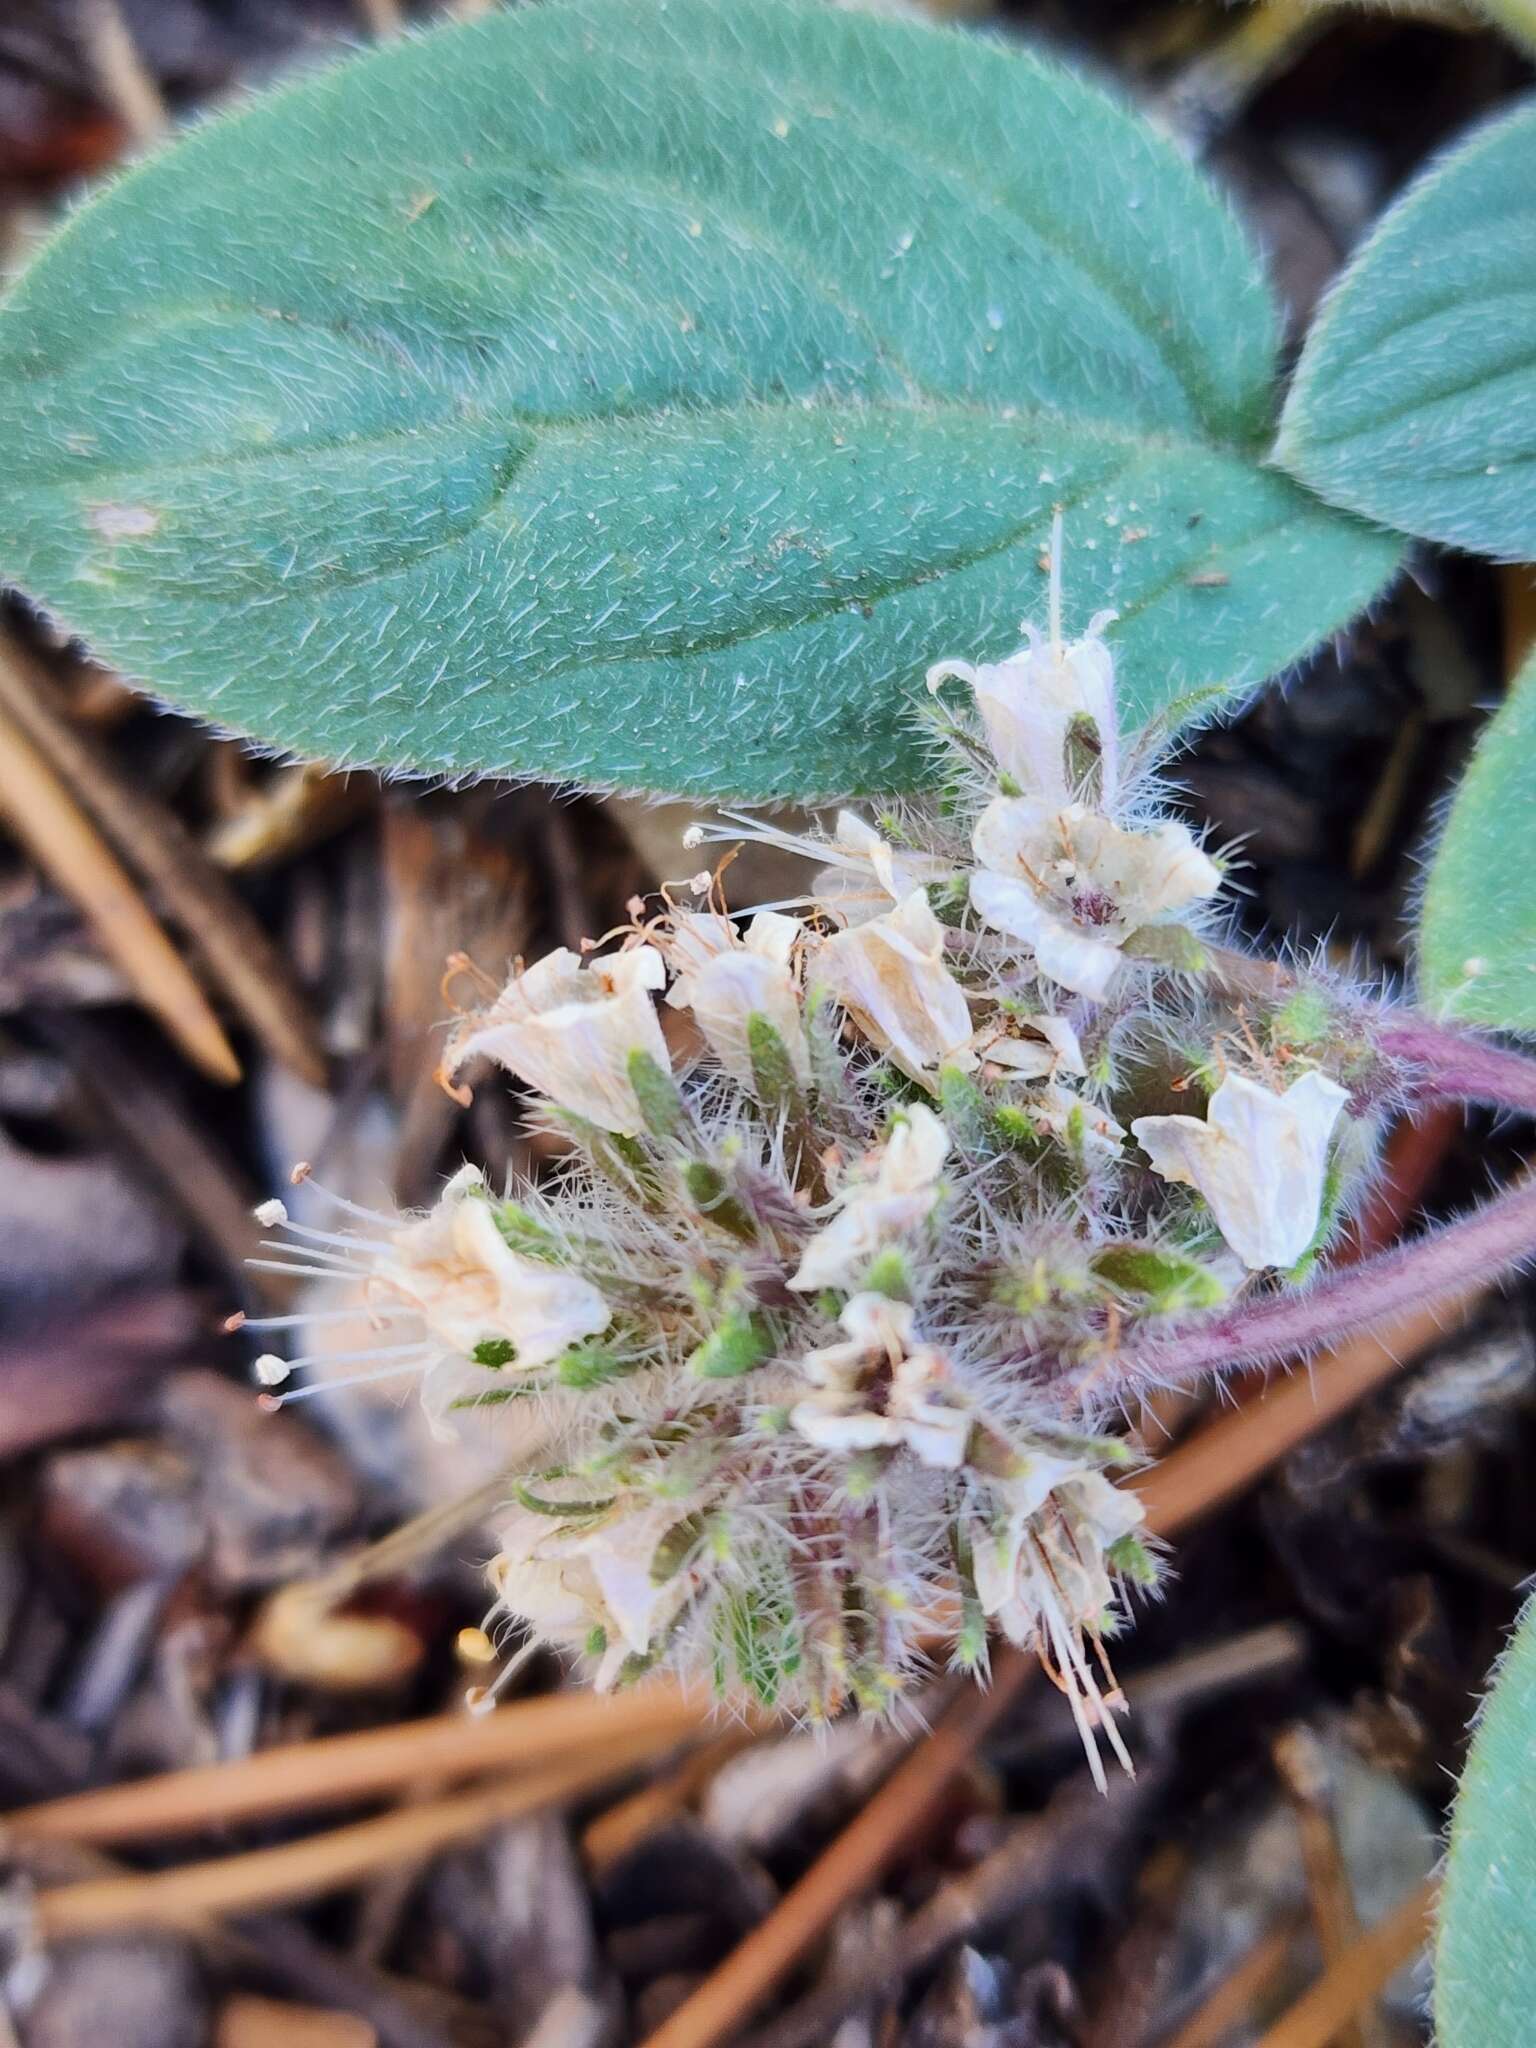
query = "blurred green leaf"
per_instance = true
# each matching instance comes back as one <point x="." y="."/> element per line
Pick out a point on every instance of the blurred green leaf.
<point x="1478" y="933"/>
<point x="1485" y="1954"/>
<point x="1415" y="399"/>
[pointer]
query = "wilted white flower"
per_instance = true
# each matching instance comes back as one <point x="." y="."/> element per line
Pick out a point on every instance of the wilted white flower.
<point x="1044" y="709"/>
<point x="1039" y="1565"/>
<point x="1034" y="1048"/>
<point x="879" y="1391"/>
<point x="427" y="1293"/>
<point x="468" y="1286"/>
<point x="573" y="1581"/>
<point x="1258" y="1158"/>
<point x="726" y="980"/>
<point x="1073" y="885"/>
<point x="568" y="1031"/>
<point x="865" y="874"/>
<point x="1073" y="1121"/>
<point x="1049" y="709"/>
<point x="889" y="975"/>
<point x="895" y="1194"/>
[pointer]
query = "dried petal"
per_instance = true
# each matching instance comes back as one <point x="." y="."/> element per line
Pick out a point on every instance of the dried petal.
<point x="568" y="1031"/>
<point x="889" y="974"/>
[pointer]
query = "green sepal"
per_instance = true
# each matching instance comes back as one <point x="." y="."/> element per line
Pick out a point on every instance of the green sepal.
<point x="1027" y="1289"/>
<point x="591" y="1365"/>
<point x="773" y="1075"/>
<point x="1303" y="1021"/>
<point x="1330" y="1209"/>
<point x="1166" y="1282"/>
<point x="966" y="1115"/>
<point x="1019" y="1131"/>
<point x="676" y="1548"/>
<point x="1083" y="758"/>
<point x="1167" y="945"/>
<point x="711" y="1196"/>
<point x="525" y="1234"/>
<point x="741" y="1343"/>
<point x="559" y="1510"/>
<point x="617" y="1157"/>
<point x="757" y="1634"/>
<point x="969" y="1652"/>
<point x="889" y="1274"/>
<point x="1129" y="1556"/>
<point x="660" y="1099"/>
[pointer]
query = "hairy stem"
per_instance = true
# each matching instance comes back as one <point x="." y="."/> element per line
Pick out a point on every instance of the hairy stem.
<point x="1455" y="1064"/>
<point x="1453" y="1261"/>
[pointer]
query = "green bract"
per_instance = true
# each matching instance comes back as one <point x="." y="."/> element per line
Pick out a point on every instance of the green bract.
<point x="643" y="392"/>
<point x="1485" y="1957"/>
<point x="1478" y="942"/>
<point x="1415" y="398"/>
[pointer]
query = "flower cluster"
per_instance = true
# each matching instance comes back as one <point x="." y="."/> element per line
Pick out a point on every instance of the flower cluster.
<point x="857" y="1204"/>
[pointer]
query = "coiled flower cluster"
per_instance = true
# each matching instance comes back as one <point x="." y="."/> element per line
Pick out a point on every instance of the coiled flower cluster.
<point x="859" y="1201"/>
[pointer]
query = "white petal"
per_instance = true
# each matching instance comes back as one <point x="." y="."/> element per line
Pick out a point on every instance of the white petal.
<point x="774" y="936"/>
<point x="1149" y="872"/>
<point x="1029" y="703"/>
<point x="856" y="1429"/>
<point x="1016" y="836"/>
<point x="1084" y="965"/>
<point x="1258" y="1158"/>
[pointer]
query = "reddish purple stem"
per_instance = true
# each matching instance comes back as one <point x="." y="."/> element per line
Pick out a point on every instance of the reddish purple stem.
<point x="1457" y="1259"/>
<point x="1455" y="1064"/>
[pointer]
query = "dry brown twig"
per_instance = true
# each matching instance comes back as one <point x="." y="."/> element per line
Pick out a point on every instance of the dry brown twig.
<point x="1349" y="1986"/>
<point x="245" y="2021"/>
<point x="191" y="1893"/>
<point x="1253" y="1974"/>
<point x="121" y="73"/>
<point x="1303" y="1767"/>
<point x="229" y="939"/>
<point x="337" y="1768"/>
<point x="48" y="821"/>
<point x="610" y="1835"/>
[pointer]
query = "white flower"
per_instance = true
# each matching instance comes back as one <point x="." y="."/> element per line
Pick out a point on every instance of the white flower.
<point x="865" y="874"/>
<point x="879" y="1391"/>
<point x="568" y="1031"/>
<point x="890" y="976"/>
<point x="454" y="1268"/>
<point x="895" y="1192"/>
<point x="1073" y="885"/>
<point x="567" y="1579"/>
<point x="1258" y="1158"/>
<point x="1042" y="703"/>
<point x="1034" y="1048"/>
<point x="726" y="980"/>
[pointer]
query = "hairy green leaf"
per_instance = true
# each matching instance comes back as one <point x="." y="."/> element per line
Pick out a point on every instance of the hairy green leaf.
<point x="1485" y="1954"/>
<point x="644" y="392"/>
<point x="1415" y="398"/>
<point x="1477" y="943"/>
